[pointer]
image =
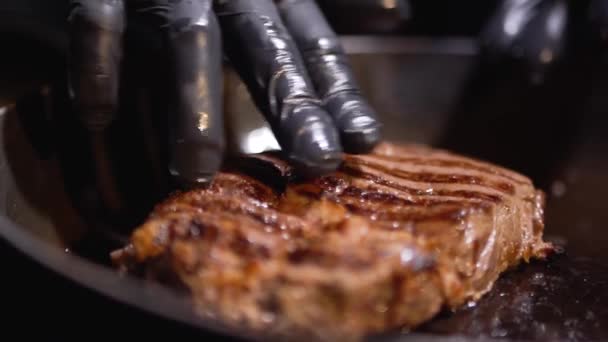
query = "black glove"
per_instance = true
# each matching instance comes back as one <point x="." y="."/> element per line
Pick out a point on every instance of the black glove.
<point x="286" y="54"/>
<point x="530" y="30"/>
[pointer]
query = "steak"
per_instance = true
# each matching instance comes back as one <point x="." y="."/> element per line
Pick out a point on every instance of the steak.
<point x="385" y="242"/>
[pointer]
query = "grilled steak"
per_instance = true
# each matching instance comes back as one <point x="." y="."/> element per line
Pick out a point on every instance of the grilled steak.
<point x="385" y="242"/>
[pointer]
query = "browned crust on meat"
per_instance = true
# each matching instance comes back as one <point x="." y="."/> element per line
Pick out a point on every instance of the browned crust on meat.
<point x="385" y="242"/>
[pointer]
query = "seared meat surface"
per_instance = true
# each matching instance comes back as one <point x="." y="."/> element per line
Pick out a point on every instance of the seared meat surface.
<point x="383" y="243"/>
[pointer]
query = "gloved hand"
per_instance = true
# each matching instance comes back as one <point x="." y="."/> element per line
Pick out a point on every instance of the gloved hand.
<point x="534" y="31"/>
<point x="285" y="52"/>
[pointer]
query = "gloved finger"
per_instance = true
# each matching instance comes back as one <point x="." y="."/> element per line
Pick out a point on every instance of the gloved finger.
<point x="193" y="45"/>
<point x="197" y="139"/>
<point x="95" y="54"/>
<point x="332" y="75"/>
<point x="268" y="61"/>
<point x="544" y="38"/>
<point x="507" y="24"/>
<point x="96" y="34"/>
<point x="533" y="30"/>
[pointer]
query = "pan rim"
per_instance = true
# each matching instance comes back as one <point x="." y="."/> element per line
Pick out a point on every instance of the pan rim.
<point x="148" y="297"/>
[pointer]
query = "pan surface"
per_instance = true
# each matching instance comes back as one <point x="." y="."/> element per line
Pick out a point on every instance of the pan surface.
<point x="561" y="299"/>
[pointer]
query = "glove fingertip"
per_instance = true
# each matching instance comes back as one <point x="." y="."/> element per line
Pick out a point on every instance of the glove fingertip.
<point x="362" y="140"/>
<point x="313" y="142"/>
<point x="360" y="129"/>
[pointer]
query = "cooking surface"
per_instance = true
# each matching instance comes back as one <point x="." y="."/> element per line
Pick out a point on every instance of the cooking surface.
<point x="564" y="298"/>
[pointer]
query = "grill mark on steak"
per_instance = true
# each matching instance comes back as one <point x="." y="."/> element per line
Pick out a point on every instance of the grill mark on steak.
<point x="376" y="205"/>
<point x="237" y="206"/>
<point x="245" y="248"/>
<point x="450" y="214"/>
<point x="384" y="206"/>
<point x="370" y="193"/>
<point x="355" y="172"/>
<point x="427" y="177"/>
<point x="421" y="195"/>
<point x="244" y="185"/>
<point x="370" y="196"/>
<point x="394" y="151"/>
<point x="437" y="161"/>
<point x="214" y="227"/>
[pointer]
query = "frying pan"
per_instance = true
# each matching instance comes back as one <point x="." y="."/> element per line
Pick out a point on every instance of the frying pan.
<point x="44" y="222"/>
